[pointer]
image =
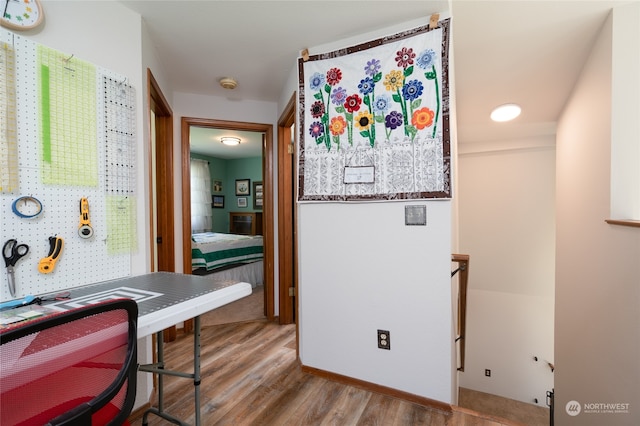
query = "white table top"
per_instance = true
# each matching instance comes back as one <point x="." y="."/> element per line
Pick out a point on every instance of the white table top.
<point x="164" y="298"/>
<point x="171" y="315"/>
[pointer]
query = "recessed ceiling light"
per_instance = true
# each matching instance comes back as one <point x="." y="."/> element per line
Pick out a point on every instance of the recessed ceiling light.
<point x="229" y="140"/>
<point x="505" y="112"/>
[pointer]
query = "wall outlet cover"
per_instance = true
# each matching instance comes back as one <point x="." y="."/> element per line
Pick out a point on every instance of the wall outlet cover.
<point x="384" y="339"/>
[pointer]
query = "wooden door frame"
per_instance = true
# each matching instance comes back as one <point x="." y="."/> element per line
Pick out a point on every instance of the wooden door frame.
<point x="267" y="208"/>
<point x="287" y="257"/>
<point x="164" y="176"/>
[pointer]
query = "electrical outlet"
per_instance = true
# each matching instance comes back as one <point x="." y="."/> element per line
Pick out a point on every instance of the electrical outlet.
<point x="384" y="339"/>
<point x="487" y="372"/>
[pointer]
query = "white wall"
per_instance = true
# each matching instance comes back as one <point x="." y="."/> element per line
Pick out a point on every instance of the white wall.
<point x="625" y="132"/>
<point x="597" y="338"/>
<point x="361" y="269"/>
<point x="507" y="226"/>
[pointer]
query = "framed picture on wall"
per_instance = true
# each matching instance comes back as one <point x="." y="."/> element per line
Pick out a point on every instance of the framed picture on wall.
<point x="217" y="201"/>
<point x="257" y="195"/>
<point x="217" y="185"/>
<point x="242" y="202"/>
<point x="243" y="187"/>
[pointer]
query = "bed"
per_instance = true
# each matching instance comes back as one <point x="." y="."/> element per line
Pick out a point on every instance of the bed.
<point x="228" y="256"/>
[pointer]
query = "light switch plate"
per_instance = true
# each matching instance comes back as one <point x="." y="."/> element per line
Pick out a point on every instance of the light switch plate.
<point x="415" y="215"/>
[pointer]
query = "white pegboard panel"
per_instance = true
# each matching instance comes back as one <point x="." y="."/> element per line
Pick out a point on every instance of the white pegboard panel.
<point x="83" y="261"/>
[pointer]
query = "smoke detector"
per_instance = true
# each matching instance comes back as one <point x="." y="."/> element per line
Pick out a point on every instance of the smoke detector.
<point x="228" y="83"/>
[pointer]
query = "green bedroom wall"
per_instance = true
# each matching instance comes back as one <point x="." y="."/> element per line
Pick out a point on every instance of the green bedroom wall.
<point x="227" y="171"/>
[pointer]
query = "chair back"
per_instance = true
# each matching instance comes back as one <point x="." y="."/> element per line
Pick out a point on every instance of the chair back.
<point x="77" y="367"/>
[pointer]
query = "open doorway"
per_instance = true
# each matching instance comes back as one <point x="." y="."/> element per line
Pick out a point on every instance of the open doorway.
<point x="239" y="201"/>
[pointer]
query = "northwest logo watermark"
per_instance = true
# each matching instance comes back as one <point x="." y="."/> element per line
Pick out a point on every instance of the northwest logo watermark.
<point x="573" y="408"/>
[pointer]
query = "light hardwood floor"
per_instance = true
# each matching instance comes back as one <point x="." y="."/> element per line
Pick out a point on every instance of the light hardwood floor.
<point x="250" y="376"/>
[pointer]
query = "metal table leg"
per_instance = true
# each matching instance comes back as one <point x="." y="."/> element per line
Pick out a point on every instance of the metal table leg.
<point x="158" y="368"/>
<point x="196" y="367"/>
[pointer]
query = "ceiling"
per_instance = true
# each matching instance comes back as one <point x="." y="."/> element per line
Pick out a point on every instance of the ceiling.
<point x="528" y="52"/>
<point x="206" y="141"/>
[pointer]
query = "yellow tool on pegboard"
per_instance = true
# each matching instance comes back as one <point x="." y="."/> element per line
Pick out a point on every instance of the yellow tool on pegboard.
<point x="84" y="229"/>
<point x="48" y="264"/>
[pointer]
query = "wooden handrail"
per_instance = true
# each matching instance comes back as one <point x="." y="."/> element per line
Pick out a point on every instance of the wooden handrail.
<point x="624" y="222"/>
<point x="463" y="268"/>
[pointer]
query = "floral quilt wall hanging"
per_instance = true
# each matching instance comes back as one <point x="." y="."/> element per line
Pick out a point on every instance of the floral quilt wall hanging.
<point x="374" y="120"/>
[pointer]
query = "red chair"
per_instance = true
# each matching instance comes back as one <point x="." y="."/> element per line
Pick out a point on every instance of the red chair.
<point x="73" y="368"/>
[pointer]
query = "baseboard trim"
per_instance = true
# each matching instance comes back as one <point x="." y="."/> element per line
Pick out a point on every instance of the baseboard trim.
<point x="384" y="390"/>
<point x="488" y="417"/>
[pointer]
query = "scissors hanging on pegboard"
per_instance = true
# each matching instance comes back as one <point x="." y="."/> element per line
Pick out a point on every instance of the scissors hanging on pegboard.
<point x="12" y="252"/>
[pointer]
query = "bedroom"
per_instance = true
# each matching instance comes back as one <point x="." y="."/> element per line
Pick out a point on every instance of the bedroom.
<point x="226" y="207"/>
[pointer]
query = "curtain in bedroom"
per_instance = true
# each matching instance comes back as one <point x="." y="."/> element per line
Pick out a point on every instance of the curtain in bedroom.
<point x="201" y="215"/>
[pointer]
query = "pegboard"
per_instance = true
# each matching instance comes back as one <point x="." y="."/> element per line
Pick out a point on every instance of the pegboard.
<point x="63" y="151"/>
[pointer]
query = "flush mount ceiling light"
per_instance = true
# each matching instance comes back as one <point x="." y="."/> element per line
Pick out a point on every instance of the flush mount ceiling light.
<point x="228" y="83"/>
<point x="228" y="140"/>
<point x="505" y="112"/>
